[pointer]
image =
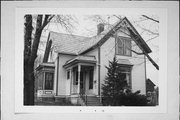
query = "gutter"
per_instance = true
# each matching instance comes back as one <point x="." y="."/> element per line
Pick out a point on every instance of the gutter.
<point x="145" y="74"/>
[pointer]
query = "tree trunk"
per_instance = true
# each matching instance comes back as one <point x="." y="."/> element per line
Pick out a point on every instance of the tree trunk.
<point x="27" y="51"/>
<point x="30" y="54"/>
<point x="29" y="65"/>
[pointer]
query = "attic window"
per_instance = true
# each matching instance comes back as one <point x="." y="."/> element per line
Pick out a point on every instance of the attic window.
<point x="123" y="46"/>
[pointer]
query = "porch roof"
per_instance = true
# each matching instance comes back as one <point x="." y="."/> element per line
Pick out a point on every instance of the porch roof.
<point x="48" y="65"/>
<point x="80" y="59"/>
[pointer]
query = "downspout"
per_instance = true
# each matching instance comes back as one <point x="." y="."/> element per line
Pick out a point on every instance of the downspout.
<point x="99" y="65"/>
<point x="145" y="72"/>
<point x="57" y="76"/>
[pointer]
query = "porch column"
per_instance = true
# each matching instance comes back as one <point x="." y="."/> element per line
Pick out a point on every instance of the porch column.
<point x="79" y="71"/>
<point x="71" y="80"/>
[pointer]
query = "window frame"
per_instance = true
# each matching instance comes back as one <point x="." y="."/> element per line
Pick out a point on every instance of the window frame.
<point x="124" y="41"/>
<point x="91" y="78"/>
<point x="75" y="77"/>
<point x="45" y="80"/>
<point x="68" y="75"/>
<point x="127" y="70"/>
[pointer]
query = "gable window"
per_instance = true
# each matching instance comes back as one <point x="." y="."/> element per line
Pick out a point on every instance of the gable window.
<point x="49" y="81"/>
<point x="123" y="46"/>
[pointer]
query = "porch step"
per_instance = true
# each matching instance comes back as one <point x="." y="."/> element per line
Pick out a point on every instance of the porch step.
<point x="93" y="101"/>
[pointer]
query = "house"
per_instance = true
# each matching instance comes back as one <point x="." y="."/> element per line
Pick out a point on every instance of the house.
<point x="149" y="86"/>
<point x="152" y="93"/>
<point x="78" y="63"/>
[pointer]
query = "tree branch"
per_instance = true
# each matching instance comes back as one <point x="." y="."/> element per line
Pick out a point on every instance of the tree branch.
<point x="47" y="19"/>
<point x="150" y="18"/>
<point x="133" y="35"/>
<point x="152" y="38"/>
<point x="36" y="39"/>
<point x="137" y="52"/>
<point x="27" y="36"/>
<point x="147" y="30"/>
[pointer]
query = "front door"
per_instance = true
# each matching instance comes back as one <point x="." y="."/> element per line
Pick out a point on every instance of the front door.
<point x="90" y="83"/>
<point x="86" y="81"/>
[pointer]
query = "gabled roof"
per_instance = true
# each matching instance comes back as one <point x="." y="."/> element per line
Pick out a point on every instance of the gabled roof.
<point x="148" y="81"/>
<point x="139" y="40"/>
<point x="67" y="43"/>
<point x="78" y="45"/>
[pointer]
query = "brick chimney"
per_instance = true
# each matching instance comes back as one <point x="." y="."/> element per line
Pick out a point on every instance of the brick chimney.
<point x="100" y="28"/>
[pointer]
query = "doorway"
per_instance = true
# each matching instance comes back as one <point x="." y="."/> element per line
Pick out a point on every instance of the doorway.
<point x="82" y="82"/>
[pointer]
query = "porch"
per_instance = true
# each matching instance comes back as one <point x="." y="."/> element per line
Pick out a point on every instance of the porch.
<point x="81" y="73"/>
<point x="81" y="77"/>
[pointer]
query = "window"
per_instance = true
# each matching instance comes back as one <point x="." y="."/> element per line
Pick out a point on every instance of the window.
<point x="68" y="75"/>
<point x="126" y="70"/>
<point x="81" y="80"/>
<point x="49" y="80"/>
<point x="75" y="82"/>
<point x="91" y="79"/>
<point x="123" y="46"/>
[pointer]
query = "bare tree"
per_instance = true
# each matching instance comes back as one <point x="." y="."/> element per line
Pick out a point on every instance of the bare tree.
<point x="31" y="47"/>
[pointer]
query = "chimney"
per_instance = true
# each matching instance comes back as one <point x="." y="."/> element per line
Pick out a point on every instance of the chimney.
<point x="100" y="28"/>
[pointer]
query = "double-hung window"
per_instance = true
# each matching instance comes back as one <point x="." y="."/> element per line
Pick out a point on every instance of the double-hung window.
<point x="91" y="79"/>
<point x="49" y="80"/>
<point x="126" y="70"/>
<point x="123" y="46"/>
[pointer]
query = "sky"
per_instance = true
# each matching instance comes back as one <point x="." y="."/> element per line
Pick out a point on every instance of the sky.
<point x="86" y="25"/>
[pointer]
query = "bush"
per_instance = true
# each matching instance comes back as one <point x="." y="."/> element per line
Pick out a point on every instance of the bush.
<point x="133" y="100"/>
<point x="130" y="99"/>
<point x="115" y="90"/>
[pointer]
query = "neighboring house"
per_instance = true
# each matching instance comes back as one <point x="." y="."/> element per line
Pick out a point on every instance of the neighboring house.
<point x="79" y="62"/>
<point x="152" y="93"/>
<point x="150" y="86"/>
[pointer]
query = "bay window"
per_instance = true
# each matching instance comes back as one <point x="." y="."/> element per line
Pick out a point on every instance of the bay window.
<point x="49" y="80"/>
